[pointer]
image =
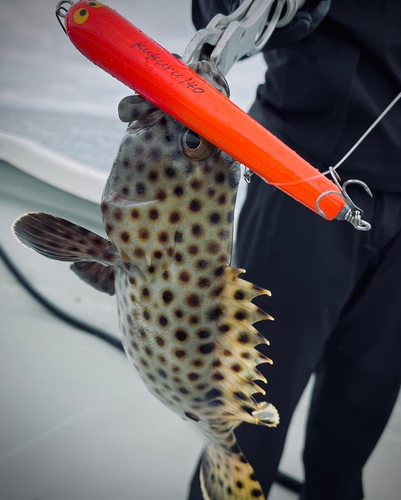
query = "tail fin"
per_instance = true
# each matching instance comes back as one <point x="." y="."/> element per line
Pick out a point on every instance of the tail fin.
<point x="227" y="475"/>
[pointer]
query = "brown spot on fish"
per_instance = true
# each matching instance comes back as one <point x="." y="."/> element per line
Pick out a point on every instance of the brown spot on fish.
<point x="153" y="175"/>
<point x="196" y="184"/>
<point x="181" y="335"/>
<point x="143" y="234"/>
<point x="184" y="276"/>
<point x="160" y="341"/>
<point x="180" y="353"/>
<point x="117" y="215"/>
<point x="240" y="315"/>
<point x="125" y="237"/>
<point x="197" y="230"/>
<point x="195" y="205"/>
<point x="170" y="172"/>
<point x="214" y="218"/>
<point x="239" y="295"/>
<point x="213" y="248"/>
<point x="175" y="217"/>
<point x="161" y="195"/>
<point x="135" y="214"/>
<point x="193" y="249"/>
<point x="207" y="348"/>
<point x="219" y="177"/>
<point x="178" y="257"/>
<point x="202" y="264"/>
<point x="217" y="291"/>
<point x="163" y="321"/>
<point x="203" y="334"/>
<point x="193" y="300"/>
<point x="204" y="282"/>
<point x="153" y="214"/>
<point x="167" y="296"/>
<point x="243" y="338"/>
<point x="163" y="237"/>
<point x="178" y="191"/>
<point x="138" y="252"/>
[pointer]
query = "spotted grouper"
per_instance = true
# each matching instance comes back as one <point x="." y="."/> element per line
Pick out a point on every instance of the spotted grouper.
<point x="185" y="315"/>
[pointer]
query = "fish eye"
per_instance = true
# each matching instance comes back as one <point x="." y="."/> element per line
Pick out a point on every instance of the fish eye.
<point x="81" y="16"/>
<point x="192" y="139"/>
<point x="195" y="146"/>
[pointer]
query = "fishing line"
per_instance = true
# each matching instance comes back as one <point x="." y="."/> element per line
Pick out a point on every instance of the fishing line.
<point x="358" y="142"/>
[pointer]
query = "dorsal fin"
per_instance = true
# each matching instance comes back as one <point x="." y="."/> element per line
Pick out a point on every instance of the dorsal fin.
<point x="237" y="357"/>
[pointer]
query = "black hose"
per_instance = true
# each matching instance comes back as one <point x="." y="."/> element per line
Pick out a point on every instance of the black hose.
<point x="285" y="480"/>
<point x="57" y="311"/>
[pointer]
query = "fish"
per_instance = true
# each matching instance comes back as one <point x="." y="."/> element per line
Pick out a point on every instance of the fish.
<point x="185" y="315"/>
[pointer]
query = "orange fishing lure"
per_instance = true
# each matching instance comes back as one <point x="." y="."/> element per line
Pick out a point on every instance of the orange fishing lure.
<point x="118" y="47"/>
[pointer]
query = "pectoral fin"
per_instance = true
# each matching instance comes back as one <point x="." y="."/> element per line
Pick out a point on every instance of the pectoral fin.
<point x="97" y="275"/>
<point x="60" y="239"/>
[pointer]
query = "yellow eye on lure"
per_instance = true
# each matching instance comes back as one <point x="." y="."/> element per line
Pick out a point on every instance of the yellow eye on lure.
<point x="81" y="16"/>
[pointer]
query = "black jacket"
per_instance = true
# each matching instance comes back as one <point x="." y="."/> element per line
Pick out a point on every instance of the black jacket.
<point x="332" y="71"/>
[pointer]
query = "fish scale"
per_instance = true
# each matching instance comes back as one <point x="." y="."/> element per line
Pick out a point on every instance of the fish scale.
<point x="185" y="315"/>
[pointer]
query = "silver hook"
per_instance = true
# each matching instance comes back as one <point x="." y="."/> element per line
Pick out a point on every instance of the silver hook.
<point x="61" y="11"/>
<point x="354" y="213"/>
<point x="248" y="173"/>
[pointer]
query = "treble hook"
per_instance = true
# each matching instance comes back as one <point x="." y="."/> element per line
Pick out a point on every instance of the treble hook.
<point x="248" y="173"/>
<point x="354" y="213"/>
<point x="61" y="11"/>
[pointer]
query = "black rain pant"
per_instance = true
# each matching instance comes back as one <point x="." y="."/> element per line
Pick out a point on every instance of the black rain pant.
<point x="337" y="308"/>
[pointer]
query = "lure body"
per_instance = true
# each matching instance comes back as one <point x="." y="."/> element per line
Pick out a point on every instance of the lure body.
<point x="121" y="49"/>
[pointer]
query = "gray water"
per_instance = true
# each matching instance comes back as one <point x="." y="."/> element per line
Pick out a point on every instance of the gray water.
<point x="90" y="140"/>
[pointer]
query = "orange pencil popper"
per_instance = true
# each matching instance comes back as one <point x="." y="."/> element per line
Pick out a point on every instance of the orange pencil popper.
<point x="118" y="47"/>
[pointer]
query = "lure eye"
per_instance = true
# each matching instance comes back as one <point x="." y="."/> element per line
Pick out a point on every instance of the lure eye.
<point x="81" y="16"/>
<point x="95" y="5"/>
<point x="196" y="147"/>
